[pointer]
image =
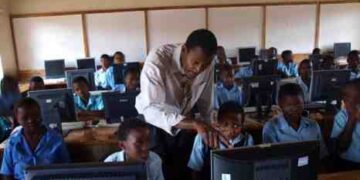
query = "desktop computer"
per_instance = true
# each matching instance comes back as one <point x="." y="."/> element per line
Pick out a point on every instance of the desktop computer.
<point x="88" y="74"/>
<point x="55" y="69"/>
<point x="86" y="63"/>
<point x="246" y="55"/>
<point x="341" y="49"/>
<point x="288" y="161"/>
<point x="265" y="67"/>
<point x="88" y="171"/>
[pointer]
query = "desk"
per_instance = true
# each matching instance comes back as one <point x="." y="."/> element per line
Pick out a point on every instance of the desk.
<point x="349" y="175"/>
<point x="25" y="86"/>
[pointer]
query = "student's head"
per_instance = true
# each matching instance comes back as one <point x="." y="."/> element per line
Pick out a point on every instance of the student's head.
<point x="230" y="119"/>
<point x="353" y="59"/>
<point x="328" y="62"/>
<point x="36" y="83"/>
<point x="105" y="61"/>
<point x="351" y="94"/>
<point x="119" y="58"/>
<point x="134" y="139"/>
<point x="9" y="85"/>
<point x="316" y="51"/>
<point x="28" y="114"/>
<point x="305" y="69"/>
<point x="198" y="52"/>
<point x="81" y="86"/>
<point x="272" y="53"/>
<point x="221" y="54"/>
<point x="131" y="79"/>
<point x="287" y="56"/>
<point x="226" y="75"/>
<point x="291" y="100"/>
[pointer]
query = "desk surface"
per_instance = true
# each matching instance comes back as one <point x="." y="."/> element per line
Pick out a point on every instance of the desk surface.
<point x="349" y="175"/>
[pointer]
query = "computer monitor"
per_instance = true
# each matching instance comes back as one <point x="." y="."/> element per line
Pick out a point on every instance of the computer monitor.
<point x="119" y="106"/>
<point x="87" y="63"/>
<point x="267" y="67"/>
<point x="88" y="74"/>
<point x="54" y="69"/>
<point x="341" y="49"/>
<point x="246" y="55"/>
<point x="326" y="84"/>
<point x="88" y="171"/>
<point x="57" y="106"/>
<point x="120" y="70"/>
<point x="269" y="161"/>
<point x="264" y="54"/>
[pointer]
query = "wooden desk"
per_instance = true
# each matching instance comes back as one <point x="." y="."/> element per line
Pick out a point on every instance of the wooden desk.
<point x="25" y="86"/>
<point x="349" y="175"/>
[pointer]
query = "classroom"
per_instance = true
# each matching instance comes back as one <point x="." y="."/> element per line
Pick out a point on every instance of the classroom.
<point x="179" y="89"/>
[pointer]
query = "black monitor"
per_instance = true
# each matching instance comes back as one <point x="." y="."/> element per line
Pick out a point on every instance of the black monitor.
<point x="263" y="68"/>
<point x="87" y="63"/>
<point x="269" y="161"/>
<point x="326" y="84"/>
<point x="120" y="70"/>
<point x="119" y="106"/>
<point x="263" y="54"/>
<point x="57" y="106"/>
<point x="88" y="74"/>
<point x="54" y="69"/>
<point x="246" y="55"/>
<point x="341" y="49"/>
<point x="89" y="171"/>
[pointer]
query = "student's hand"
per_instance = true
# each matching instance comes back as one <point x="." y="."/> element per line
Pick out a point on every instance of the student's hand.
<point x="211" y="136"/>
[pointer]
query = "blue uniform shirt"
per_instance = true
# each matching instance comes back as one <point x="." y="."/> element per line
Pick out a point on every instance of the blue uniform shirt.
<point x="278" y="130"/>
<point x="95" y="103"/>
<point x="18" y="155"/>
<point x="103" y="78"/>
<point x="291" y="70"/>
<point x="244" y="72"/>
<point x="353" y="152"/>
<point x="223" y="95"/>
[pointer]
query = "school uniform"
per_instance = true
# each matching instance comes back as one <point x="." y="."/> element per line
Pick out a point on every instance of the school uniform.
<point x="352" y="154"/>
<point x="304" y="87"/>
<point x="278" y="130"/>
<point x="95" y="103"/>
<point x="227" y="61"/>
<point x="244" y="72"/>
<point x="102" y="78"/>
<point x="153" y="164"/>
<point x="223" y="95"/>
<point x="289" y="70"/>
<point x="355" y="74"/>
<point x="18" y="155"/>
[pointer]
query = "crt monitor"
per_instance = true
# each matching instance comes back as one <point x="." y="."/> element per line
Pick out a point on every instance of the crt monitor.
<point x="118" y="106"/>
<point x="267" y="67"/>
<point x="54" y="69"/>
<point x="57" y="106"/>
<point x="326" y="84"/>
<point x="341" y="49"/>
<point x="87" y="63"/>
<point x="246" y="55"/>
<point x="89" y="171"/>
<point x="269" y="161"/>
<point x="88" y="74"/>
<point x="120" y="70"/>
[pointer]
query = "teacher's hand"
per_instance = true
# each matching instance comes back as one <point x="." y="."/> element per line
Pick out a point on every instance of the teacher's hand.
<point x="211" y="136"/>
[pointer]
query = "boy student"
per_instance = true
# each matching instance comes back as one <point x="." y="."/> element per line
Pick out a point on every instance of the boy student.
<point x="230" y="122"/>
<point x="102" y="75"/>
<point x="287" y="67"/>
<point x="33" y="144"/>
<point x="88" y="107"/>
<point x="353" y="64"/>
<point x="227" y="90"/>
<point x="221" y="58"/>
<point x="346" y="128"/>
<point x="134" y="141"/>
<point x="119" y="57"/>
<point x="291" y="126"/>
<point x="304" y="78"/>
<point x="36" y="83"/>
<point x="132" y="80"/>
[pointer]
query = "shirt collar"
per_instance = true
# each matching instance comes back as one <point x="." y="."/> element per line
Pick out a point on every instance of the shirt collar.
<point x="283" y="124"/>
<point x="177" y="58"/>
<point x="234" y="141"/>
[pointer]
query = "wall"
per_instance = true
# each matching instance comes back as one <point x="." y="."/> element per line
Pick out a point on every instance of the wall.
<point x="6" y="44"/>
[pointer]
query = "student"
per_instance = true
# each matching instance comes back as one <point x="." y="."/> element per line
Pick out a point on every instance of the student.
<point x="132" y="80"/>
<point x="134" y="142"/>
<point x="119" y="57"/>
<point x="304" y="79"/>
<point x="287" y="67"/>
<point x="244" y="72"/>
<point x="327" y="63"/>
<point x="36" y="83"/>
<point x="33" y="144"/>
<point x="291" y="126"/>
<point x="88" y="107"/>
<point x="230" y="121"/>
<point x="227" y="90"/>
<point x="221" y="58"/>
<point x="272" y="53"/>
<point x="102" y="75"/>
<point x="346" y="128"/>
<point x="316" y="51"/>
<point x="10" y="94"/>
<point x="353" y="64"/>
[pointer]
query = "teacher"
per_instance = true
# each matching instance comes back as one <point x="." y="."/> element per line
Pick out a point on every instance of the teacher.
<point x="175" y="79"/>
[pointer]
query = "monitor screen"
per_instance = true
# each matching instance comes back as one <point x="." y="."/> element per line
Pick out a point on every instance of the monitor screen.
<point x="118" y="106"/>
<point x="268" y="161"/>
<point x="57" y="106"/>
<point x="55" y="69"/>
<point x="88" y="171"/>
<point x="120" y="71"/>
<point x="88" y="74"/>
<point x="88" y="63"/>
<point x="341" y="49"/>
<point x="263" y="68"/>
<point x="246" y="55"/>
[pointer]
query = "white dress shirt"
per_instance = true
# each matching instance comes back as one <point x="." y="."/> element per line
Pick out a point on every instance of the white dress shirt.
<point x="164" y="99"/>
